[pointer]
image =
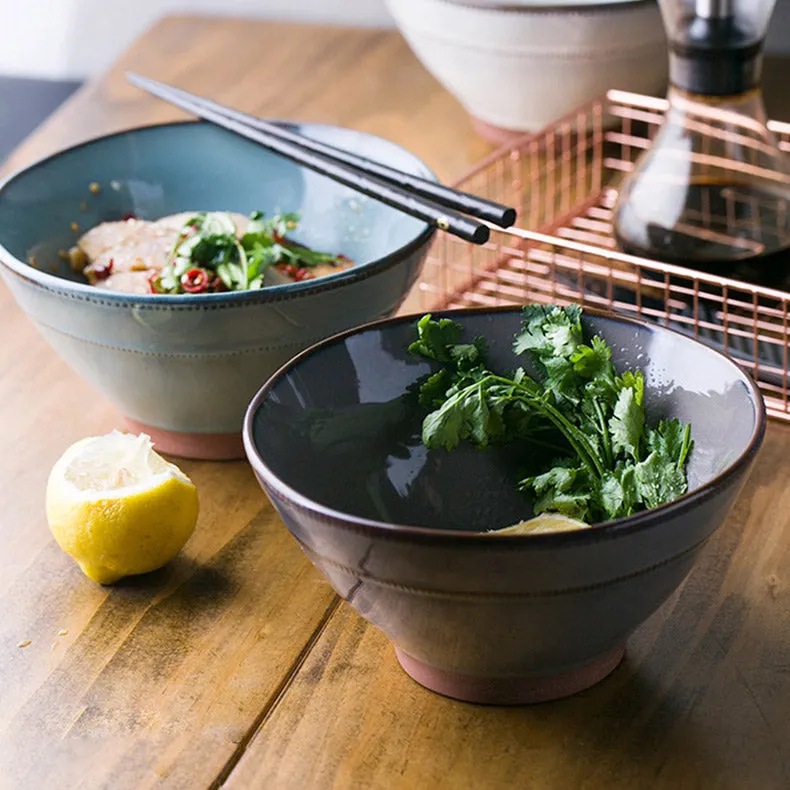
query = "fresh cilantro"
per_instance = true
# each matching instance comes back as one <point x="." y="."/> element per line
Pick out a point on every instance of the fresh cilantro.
<point x="209" y="244"/>
<point x="435" y="338"/>
<point x="581" y="423"/>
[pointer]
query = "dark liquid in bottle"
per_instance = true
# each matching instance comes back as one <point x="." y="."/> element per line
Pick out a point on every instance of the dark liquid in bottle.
<point x="733" y="230"/>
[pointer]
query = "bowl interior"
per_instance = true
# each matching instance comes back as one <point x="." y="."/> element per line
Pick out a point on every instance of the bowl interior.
<point x="341" y="425"/>
<point x="160" y="170"/>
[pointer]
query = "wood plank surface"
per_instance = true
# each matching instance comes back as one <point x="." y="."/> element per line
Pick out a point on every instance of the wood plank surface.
<point x="365" y="79"/>
<point x="159" y="681"/>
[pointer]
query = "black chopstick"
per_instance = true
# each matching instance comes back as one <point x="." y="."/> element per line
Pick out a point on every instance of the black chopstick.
<point x="368" y="184"/>
<point x="465" y="202"/>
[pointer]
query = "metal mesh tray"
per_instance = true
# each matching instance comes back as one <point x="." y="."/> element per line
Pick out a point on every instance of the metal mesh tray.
<point x="564" y="182"/>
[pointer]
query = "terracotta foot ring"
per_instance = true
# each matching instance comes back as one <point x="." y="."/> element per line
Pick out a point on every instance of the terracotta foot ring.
<point x="497" y="135"/>
<point x="198" y="446"/>
<point x="511" y="690"/>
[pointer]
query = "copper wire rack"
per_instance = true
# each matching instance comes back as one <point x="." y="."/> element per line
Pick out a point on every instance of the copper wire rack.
<point x="563" y="182"/>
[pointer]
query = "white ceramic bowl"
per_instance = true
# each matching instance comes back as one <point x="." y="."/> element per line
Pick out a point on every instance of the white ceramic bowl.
<point x="517" y="66"/>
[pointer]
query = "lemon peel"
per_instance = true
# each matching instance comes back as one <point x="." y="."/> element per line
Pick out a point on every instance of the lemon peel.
<point x="118" y="508"/>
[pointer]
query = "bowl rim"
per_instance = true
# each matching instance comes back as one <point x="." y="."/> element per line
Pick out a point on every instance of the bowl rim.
<point x="611" y="529"/>
<point x="544" y="6"/>
<point x="54" y="283"/>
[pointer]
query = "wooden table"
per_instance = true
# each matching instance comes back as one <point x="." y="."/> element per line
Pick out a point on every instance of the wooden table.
<point x="236" y="665"/>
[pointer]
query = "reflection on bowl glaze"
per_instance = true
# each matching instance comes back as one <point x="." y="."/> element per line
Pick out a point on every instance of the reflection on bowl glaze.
<point x="398" y="531"/>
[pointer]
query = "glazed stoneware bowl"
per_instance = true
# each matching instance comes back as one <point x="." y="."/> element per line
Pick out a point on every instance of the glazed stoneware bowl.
<point x="517" y="65"/>
<point x="184" y="368"/>
<point x="334" y="438"/>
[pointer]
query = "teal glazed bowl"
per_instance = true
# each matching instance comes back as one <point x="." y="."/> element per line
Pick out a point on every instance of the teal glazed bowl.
<point x="184" y="368"/>
<point x="399" y="530"/>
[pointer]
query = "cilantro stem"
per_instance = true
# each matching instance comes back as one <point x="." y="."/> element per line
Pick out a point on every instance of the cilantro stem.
<point x="244" y="264"/>
<point x="607" y="443"/>
<point x="575" y="437"/>
<point x="686" y="446"/>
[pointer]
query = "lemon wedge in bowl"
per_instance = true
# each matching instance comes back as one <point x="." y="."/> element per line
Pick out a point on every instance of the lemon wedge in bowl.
<point x="118" y="508"/>
<point x="545" y="522"/>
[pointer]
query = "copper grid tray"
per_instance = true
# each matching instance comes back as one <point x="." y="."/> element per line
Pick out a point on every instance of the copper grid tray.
<point x="564" y="182"/>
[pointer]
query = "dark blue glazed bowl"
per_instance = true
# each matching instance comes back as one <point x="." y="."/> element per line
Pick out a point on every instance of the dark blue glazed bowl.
<point x="184" y="367"/>
<point x="334" y="438"/>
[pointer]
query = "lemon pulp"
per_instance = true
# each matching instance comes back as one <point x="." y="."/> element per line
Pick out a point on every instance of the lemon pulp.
<point x="545" y="522"/>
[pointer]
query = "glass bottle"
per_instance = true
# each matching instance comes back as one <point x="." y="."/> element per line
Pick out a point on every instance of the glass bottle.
<point x="713" y="190"/>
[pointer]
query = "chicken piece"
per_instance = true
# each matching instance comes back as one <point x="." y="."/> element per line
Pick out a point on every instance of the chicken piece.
<point x="132" y="245"/>
<point x="110" y="235"/>
<point x="128" y="282"/>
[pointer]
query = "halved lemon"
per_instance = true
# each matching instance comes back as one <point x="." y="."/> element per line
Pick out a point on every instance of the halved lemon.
<point x="118" y="508"/>
<point x="545" y="522"/>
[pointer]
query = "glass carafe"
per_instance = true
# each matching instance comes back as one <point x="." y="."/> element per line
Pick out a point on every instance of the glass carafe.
<point x="713" y="190"/>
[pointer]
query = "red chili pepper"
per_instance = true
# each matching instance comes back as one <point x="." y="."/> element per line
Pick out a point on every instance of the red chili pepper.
<point x="218" y="285"/>
<point x="343" y="258"/>
<point x="291" y="269"/>
<point x="152" y="278"/>
<point x="302" y="274"/>
<point x="127" y="217"/>
<point x="103" y="270"/>
<point x="195" y="281"/>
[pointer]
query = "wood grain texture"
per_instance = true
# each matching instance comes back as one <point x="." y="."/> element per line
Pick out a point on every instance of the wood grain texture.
<point x="159" y="681"/>
<point x="700" y="702"/>
<point x="233" y="666"/>
<point x="365" y="79"/>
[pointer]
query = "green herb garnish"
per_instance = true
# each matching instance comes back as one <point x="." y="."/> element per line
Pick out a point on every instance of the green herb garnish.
<point x="209" y="255"/>
<point x="591" y="453"/>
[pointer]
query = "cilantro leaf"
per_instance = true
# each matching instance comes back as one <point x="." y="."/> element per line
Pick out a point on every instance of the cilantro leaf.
<point x="659" y="480"/>
<point x="549" y="331"/>
<point x="618" y="493"/>
<point x="434" y="388"/>
<point x="559" y="478"/>
<point x="562" y="379"/>
<point x="436" y="338"/>
<point x="627" y="423"/>
<point x="466" y="415"/>
<point x="444" y="427"/>
<point x="563" y="489"/>
<point x="672" y="439"/>
<point x="633" y="379"/>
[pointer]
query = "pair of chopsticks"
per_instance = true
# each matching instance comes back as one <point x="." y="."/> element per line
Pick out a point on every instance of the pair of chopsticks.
<point x="460" y="213"/>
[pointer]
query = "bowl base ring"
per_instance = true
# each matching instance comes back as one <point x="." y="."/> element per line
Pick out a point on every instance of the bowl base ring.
<point x="195" y="446"/>
<point x="497" y="135"/>
<point x="511" y="690"/>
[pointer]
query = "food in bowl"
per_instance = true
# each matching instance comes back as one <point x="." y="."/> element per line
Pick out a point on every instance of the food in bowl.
<point x="585" y="445"/>
<point x="541" y="525"/>
<point x="204" y="252"/>
<point x="183" y="367"/>
<point x="401" y="531"/>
